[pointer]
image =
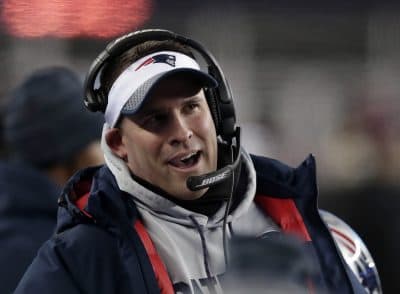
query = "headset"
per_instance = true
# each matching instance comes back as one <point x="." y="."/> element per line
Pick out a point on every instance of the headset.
<point x="219" y="99"/>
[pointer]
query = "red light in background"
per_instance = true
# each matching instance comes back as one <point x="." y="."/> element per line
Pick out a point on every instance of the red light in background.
<point x="74" y="18"/>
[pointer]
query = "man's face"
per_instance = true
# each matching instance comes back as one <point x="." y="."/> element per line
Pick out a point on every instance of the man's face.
<point x="171" y="138"/>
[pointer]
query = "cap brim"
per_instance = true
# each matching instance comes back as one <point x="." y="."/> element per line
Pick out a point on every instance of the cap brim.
<point x="144" y="91"/>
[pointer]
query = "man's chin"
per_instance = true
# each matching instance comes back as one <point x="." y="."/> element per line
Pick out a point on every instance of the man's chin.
<point x="180" y="189"/>
<point x="186" y="194"/>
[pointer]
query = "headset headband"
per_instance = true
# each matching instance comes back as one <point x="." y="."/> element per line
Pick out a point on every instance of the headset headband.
<point x="96" y="99"/>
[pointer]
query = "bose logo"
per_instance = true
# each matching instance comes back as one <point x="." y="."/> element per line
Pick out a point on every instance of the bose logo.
<point x="214" y="179"/>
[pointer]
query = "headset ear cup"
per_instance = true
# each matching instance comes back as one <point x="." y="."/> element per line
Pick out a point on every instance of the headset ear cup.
<point x="101" y="100"/>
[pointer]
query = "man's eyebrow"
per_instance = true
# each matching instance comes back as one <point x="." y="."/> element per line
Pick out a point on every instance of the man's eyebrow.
<point x="149" y="110"/>
<point x="191" y="99"/>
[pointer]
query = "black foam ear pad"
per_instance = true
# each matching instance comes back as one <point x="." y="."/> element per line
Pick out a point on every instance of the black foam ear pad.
<point x="227" y="126"/>
<point x="102" y="99"/>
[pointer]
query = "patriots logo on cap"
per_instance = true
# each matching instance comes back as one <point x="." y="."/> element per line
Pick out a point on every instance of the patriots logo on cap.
<point x="160" y="58"/>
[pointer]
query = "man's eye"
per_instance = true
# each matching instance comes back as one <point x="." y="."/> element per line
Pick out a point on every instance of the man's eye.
<point x="193" y="106"/>
<point x="154" y="121"/>
<point x="157" y="118"/>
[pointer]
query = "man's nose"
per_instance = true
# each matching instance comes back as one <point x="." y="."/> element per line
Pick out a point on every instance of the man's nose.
<point x="181" y="130"/>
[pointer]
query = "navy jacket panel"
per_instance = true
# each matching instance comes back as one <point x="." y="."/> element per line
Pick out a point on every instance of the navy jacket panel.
<point x="83" y="259"/>
<point x="28" y="213"/>
<point x="47" y="274"/>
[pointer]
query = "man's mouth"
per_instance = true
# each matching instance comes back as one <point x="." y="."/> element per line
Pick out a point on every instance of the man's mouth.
<point x="186" y="161"/>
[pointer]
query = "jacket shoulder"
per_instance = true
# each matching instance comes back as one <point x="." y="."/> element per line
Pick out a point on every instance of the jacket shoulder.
<point x="271" y="167"/>
<point x="86" y="239"/>
<point x="74" y="261"/>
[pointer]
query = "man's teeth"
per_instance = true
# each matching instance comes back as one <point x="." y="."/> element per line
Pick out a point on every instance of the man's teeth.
<point x="188" y="156"/>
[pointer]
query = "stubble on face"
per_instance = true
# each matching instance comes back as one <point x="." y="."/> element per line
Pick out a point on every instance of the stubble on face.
<point x="157" y="148"/>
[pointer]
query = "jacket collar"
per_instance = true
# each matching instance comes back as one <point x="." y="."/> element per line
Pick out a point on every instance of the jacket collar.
<point x="107" y="205"/>
<point x="282" y="181"/>
<point x="273" y="178"/>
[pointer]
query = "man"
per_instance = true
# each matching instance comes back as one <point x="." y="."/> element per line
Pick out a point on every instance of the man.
<point x="41" y="121"/>
<point x="176" y="188"/>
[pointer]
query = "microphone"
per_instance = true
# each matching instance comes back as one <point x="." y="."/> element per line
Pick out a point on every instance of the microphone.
<point x="195" y="183"/>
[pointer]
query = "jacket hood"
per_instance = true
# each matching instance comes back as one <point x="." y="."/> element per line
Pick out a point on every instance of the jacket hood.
<point x="92" y="195"/>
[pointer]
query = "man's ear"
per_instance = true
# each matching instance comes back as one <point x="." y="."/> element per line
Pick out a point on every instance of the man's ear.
<point x="114" y="141"/>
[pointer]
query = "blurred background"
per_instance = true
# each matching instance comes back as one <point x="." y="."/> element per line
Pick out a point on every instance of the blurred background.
<point x="315" y="77"/>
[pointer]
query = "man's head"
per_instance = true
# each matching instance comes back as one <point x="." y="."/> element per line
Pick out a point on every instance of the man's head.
<point x="160" y="121"/>
<point x="46" y="124"/>
<point x="219" y="98"/>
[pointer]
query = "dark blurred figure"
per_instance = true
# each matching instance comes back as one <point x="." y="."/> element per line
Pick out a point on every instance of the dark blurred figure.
<point x="48" y="135"/>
